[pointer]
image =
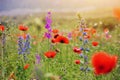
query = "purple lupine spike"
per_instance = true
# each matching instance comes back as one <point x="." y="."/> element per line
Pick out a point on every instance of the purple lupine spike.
<point x="82" y="68"/>
<point x="88" y="69"/>
<point x="24" y="46"/>
<point x="48" y="25"/>
<point x="81" y="55"/>
<point x="87" y="49"/>
<point x="84" y="46"/>
<point x="85" y="58"/>
<point x="20" y="45"/>
<point x="81" y="48"/>
<point x="38" y="58"/>
<point x="48" y="20"/>
<point x="27" y="43"/>
<point x="84" y="33"/>
<point x="48" y="35"/>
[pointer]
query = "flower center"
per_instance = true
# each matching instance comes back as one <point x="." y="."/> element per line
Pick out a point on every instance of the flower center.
<point x="61" y="41"/>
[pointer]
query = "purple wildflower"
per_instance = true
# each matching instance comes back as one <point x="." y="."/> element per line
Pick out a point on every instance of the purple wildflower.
<point x="48" y="35"/>
<point x="48" y="25"/>
<point x="24" y="46"/>
<point x="38" y="58"/>
<point x="20" y="45"/>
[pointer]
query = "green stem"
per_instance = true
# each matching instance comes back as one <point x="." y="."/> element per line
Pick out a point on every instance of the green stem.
<point x="2" y="54"/>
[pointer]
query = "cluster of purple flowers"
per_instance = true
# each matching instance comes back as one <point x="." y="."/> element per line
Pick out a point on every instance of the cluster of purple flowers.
<point x="24" y="45"/>
<point x="48" y="26"/>
<point x="84" y="47"/>
<point x="38" y="58"/>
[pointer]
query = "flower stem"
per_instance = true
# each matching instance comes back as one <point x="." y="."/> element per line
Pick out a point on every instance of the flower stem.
<point x="2" y="55"/>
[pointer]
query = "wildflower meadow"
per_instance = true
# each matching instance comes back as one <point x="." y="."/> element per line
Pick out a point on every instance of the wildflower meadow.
<point x="60" y="46"/>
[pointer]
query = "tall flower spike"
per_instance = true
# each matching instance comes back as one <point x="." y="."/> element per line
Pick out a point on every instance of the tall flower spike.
<point x="48" y="26"/>
<point x="27" y="44"/>
<point x="84" y="47"/>
<point x="24" y="46"/>
<point x="20" y="45"/>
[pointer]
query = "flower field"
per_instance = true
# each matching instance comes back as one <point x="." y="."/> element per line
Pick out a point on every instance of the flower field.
<point x="55" y="47"/>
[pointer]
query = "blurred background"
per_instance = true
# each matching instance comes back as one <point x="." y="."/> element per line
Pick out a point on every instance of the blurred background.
<point x="64" y="12"/>
<point x="93" y="7"/>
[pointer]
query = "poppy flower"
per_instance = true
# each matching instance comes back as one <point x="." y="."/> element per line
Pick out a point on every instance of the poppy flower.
<point x="56" y="35"/>
<point x="23" y="28"/>
<point x="55" y="31"/>
<point x="77" y="61"/>
<point x="116" y="12"/>
<point x="53" y="40"/>
<point x="77" y="50"/>
<point x="2" y="28"/>
<point x="103" y="63"/>
<point x="26" y="66"/>
<point x="93" y="31"/>
<point x="62" y="39"/>
<point x="94" y="43"/>
<point x="50" y="54"/>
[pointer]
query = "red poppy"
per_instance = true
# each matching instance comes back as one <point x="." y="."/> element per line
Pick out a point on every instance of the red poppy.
<point x="56" y="35"/>
<point x="55" y="31"/>
<point x="94" y="43"/>
<point x="23" y="28"/>
<point x="50" y="54"/>
<point x="54" y="38"/>
<point x="26" y="66"/>
<point x="93" y="31"/>
<point x="62" y="39"/>
<point x="103" y="63"/>
<point x="2" y="28"/>
<point x="77" y="61"/>
<point x="77" y="50"/>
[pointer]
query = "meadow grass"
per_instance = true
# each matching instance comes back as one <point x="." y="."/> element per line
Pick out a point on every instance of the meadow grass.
<point x="62" y="65"/>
